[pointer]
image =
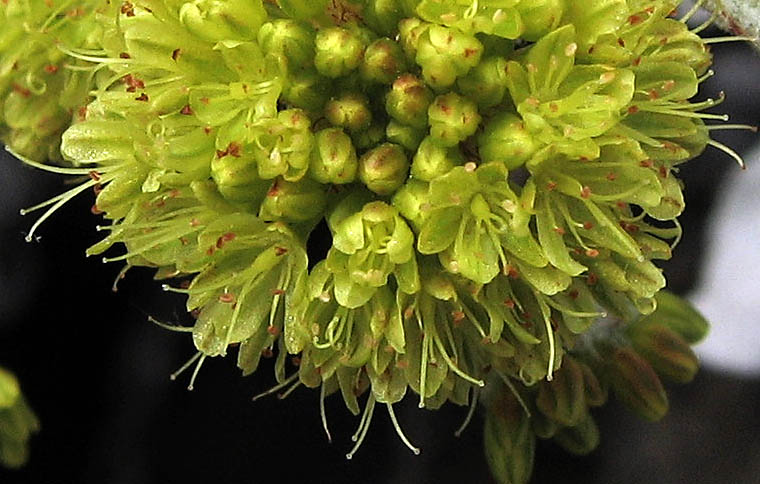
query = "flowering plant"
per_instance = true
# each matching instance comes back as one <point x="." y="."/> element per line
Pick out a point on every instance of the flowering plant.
<point x="496" y="177"/>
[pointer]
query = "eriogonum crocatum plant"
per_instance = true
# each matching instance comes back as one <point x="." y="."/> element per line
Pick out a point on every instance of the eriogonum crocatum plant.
<point x="498" y="178"/>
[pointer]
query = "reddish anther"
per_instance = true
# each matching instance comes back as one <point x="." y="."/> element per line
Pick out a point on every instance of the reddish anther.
<point x="227" y="297"/>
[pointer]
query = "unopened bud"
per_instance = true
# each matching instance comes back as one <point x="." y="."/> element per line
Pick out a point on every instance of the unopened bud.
<point x="384" y="169"/>
<point x="350" y="111"/>
<point x="562" y="399"/>
<point x="294" y="202"/>
<point x="636" y="384"/>
<point x="215" y="20"/>
<point x="404" y="135"/>
<point x="411" y="200"/>
<point x="408" y="101"/>
<point x="383" y="61"/>
<point x="446" y="53"/>
<point x="452" y="119"/>
<point x="338" y="51"/>
<point x="334" y="158"/>
<point x="670" y="356"/>
<point x="433" y="159"/>
<point x="292" y="39"/>
<point x="505" y="139"/>
<point x="486" y="83"/>
<point x="580" y="439"/>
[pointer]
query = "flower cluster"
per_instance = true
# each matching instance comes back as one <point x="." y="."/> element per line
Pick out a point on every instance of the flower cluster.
<point x="497" y="178"/>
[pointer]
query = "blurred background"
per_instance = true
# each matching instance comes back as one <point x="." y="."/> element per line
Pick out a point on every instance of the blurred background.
<point x="96" y="371"/>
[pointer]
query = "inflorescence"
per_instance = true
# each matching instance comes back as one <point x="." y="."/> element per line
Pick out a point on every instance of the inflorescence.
<point x="497" y="177"/>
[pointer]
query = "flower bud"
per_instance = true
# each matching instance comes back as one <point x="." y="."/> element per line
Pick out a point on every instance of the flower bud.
<point x="410" y="30"/>
<point x="384" y="169"/>
<point x="562" y="399"/>
<point x="292" y="39"/>
<point x="486" y="84"/>
<point x="446" y="53"/>
<point x="580" y="439"/>
<point x="408" y="101"/>
<point x="294" y="202"/>
<point x="539" y="17"/>
<point x="505" y="139"/>
<point x="215" y="20"/>
<point x="404" y="135"/>
<point x="338" y="51"/>
<point x="383" y="61"/>
<point x="334" y="158"/>
<point x="383" y="16"/>
<point x="510" y="443"/>
<point x="350" y="111"/>
<point x="306" y="90"/>
<point x="636" y="384"/>
<point x="433" y="159"/>
<point x="411" y="200"/>
<point x="452" y="119"/>
<point x="369" y="138"/>
<point x="670" y="356"/>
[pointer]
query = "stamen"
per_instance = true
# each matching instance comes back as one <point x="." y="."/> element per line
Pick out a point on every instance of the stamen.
<point x="706" y="23"/>
<point x="54" y="169"/>
<point x="470" y="412"/>
<point x="716" y="127"/>
<point x="62" y="199"/>
<point x="119" y="277"/>
<point x="170" y="327"/>
<point x="323" y="413"/>
<point x="728" y="151"/>
<point x="277" y="387"/>
<point x="400" y="432"/>
<point x="195" y="373"/>
<point x="732" y="38"/>
<point x="364" y="426"/>
<point x="184" y="367"/>
<point x="450" y="363"/>
<point x="286" y="393"/>
<point x="692" y="11"/>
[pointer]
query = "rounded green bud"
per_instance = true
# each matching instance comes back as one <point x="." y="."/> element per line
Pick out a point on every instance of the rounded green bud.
<point x="294" y="202"/>
<point x="539" y="17"/>
<point x="383" y="61"/>
<point x="334" y="157"/>
<point x="404" y="135"/>
<point x="636" y="384"/>
<point x="410" y="30"/>
<point x="446" y="53"/>
<point x="670" y="356"/>
<point x="384" y="169"/>
<point x="486" y="83"/>
<point x="370" y="137"/>
<point x="563" y="399"/>
<point x="338" y="51"/>
<point x="215" y="20"/>
<point x="506" y="139"/>
<point x="452" y="118"/>
<point x="408" y="101"/>
<point x="306" y="90"/>
<point x="433" y="159"/>
<point x="236" y="176"/>
<point x="350" y="111"/>
<point x="412" y="201"/>
<point x="288" y="38"/>
<point x="383" y="16"/>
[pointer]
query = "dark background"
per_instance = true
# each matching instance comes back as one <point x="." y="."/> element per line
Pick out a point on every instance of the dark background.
<point x="97" y="373"/>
